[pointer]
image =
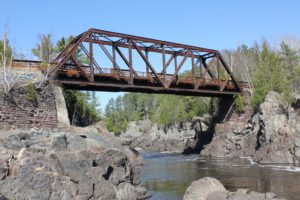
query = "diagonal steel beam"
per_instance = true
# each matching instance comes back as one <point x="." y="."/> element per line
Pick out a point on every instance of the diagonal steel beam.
<point x="224" y="86"/>
<point x="69" y="54"/>
<point x="78" y="66"/>
<point x="229" y="72"/>
<point x="168" y="63"/>
<point x="207" y="70"/>
<point x="146" y="61"/>
<point x="113" y="61"/>
<point x="94" y="61"/>
<point x="125" y="60"/>
<point x="187" y="54"/>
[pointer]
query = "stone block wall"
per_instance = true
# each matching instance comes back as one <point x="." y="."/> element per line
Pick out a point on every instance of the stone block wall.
<point x="20" y="112"/>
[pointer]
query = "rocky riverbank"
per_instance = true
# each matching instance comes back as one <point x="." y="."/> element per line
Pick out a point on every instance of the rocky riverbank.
<point x="211" y="189"/>
<point x="67" y="164"/>
<point x="177" y="138"/>
<point x="272" y="135"/>
<point x="269" y="135"/>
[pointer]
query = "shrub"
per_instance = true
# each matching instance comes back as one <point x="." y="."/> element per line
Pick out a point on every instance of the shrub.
<point x="31" y="93"/>
<point x="240" y="103"/>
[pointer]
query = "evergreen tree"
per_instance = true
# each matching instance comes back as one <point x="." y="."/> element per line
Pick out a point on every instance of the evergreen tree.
<point x="81" y="111"/>
<point x="291" y="62"/>
<point x="270" y="75"/>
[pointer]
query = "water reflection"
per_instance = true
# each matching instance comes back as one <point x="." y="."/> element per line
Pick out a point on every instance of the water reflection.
<point x="168" y="175"/>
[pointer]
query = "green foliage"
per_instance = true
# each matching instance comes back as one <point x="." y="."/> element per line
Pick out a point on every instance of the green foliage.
<point x="291" y="62"/>
<point x="162" y="109"/>
<point x="270" y="75"/>
<point x="240" y="103"/>
<point x="31" y="93"/>
<point x="45" y="49"/>
<point x="7" y="53"/>
<point x="79" y="56"/>
<point x="82" y="107"/>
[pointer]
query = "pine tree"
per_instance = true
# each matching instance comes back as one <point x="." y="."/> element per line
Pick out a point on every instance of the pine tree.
<point x="270" y="75"/>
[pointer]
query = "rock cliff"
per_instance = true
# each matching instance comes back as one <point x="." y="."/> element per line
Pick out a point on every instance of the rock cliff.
<point x="272" y="135"/>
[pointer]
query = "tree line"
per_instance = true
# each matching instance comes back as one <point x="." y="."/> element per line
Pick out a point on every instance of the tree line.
<point x="161" y="109"/>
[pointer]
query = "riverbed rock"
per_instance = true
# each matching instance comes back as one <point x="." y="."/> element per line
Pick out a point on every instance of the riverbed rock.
<point x="208" y="188"/>
<point x="67" y="164"/>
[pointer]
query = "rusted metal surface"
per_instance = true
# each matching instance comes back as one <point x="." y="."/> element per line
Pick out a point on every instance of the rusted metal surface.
<point x="196" y="71"/>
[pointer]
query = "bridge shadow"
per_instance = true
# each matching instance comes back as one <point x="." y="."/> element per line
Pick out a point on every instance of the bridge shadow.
<point x="221" y="112"/>
<point x="202" y="138"/>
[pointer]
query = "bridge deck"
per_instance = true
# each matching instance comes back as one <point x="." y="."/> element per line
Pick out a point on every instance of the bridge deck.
<point x="110" y="79"/>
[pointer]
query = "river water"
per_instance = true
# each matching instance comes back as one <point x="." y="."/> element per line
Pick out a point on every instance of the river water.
<point x="167" y="175"/>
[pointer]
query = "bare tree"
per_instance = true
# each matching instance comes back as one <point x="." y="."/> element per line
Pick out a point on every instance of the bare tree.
<point x="239" y="63"/>
<point x="9" y="78"/>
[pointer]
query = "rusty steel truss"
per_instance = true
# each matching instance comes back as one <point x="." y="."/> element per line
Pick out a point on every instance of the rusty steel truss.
<point x="176" y="69"/>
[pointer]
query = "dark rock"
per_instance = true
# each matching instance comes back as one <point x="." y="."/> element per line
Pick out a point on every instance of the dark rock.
<point x="183" y="137"/>
<point x="68" y="166"/>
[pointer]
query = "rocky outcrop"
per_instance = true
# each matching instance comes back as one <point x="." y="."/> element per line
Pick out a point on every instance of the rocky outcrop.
<point x="211" y="189"/>
<point x="179" y="138"/>
<point x="73" y="164"/>
<point x="270" y="136"/>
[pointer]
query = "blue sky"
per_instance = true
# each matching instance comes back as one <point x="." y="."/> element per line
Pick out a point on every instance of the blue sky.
<point x="212" y="24"/>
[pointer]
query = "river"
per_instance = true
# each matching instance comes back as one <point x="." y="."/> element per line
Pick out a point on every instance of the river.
<point x="167" y="175"/>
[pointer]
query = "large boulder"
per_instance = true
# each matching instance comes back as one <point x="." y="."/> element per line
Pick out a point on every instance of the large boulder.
<point x="202" y="188"/>
<point x="208" y="188"/>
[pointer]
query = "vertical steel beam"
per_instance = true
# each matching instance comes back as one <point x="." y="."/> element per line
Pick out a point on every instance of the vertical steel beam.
<point x="146" y="61"/>
<point x="114" y="56"/>
<point x="175" y="62"/>
<point x="164" y="63"/>
<point x="201" y="67"/>
<point x="91" y="58"/>
<point x="193" y="68"/>
<point x="218" y="69"/>
<point x="130" y="61"/>
<point x="125" y="60"/>
<point x="187" y="54"/>
<point x="147" y="57"/>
